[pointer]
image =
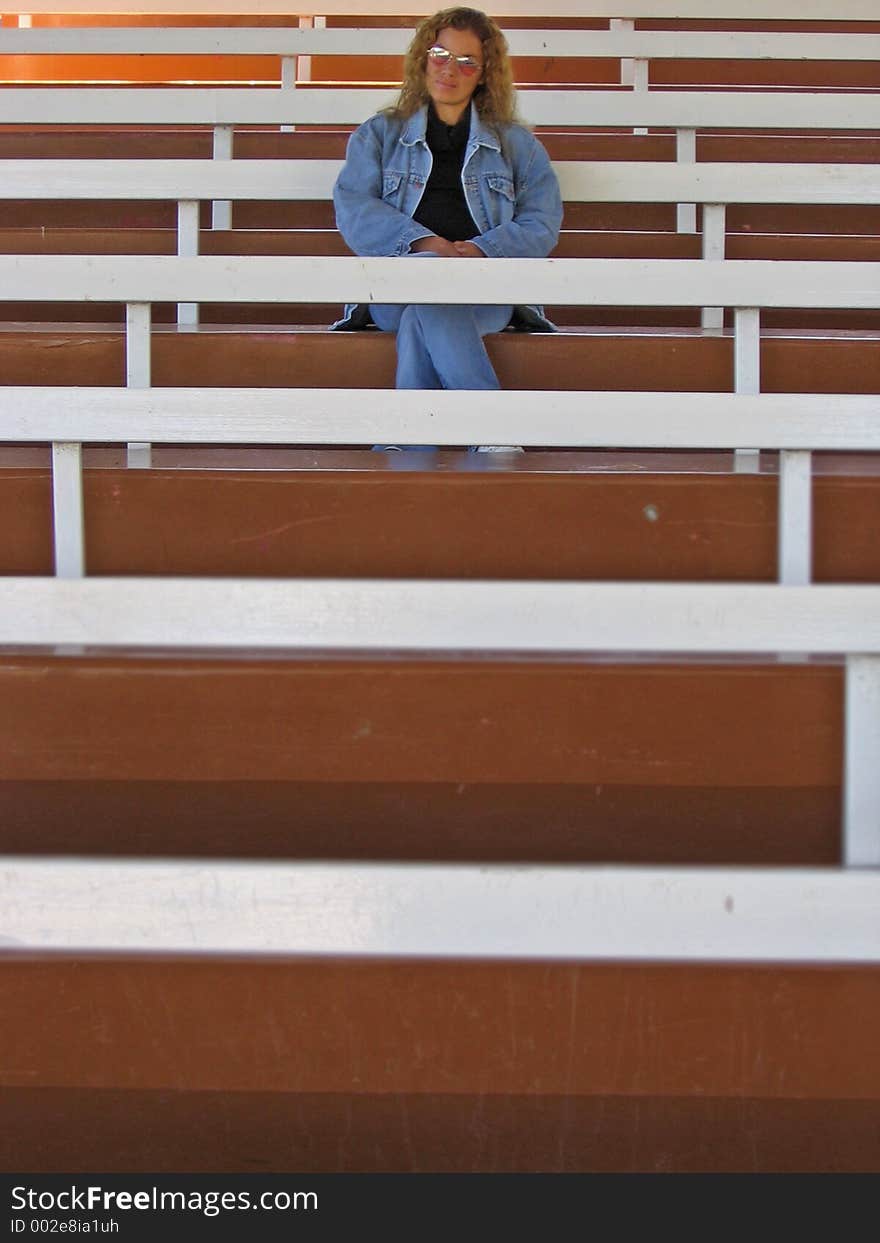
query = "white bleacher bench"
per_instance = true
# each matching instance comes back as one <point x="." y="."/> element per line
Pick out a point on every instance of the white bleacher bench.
<point x="575" y="108"/>
<point x="711" y="10"/>
<point x="533" y="619"/>
<point x="223" y="109"/>
<point x="794" y="424"/>
<point x="189" y="182"/>
<point x="295" y="47"/>
<point x="746" y="285"/>
<point x="287" y="41"/>
<point x="611" y="181"/>
<point x="400" y="911"/>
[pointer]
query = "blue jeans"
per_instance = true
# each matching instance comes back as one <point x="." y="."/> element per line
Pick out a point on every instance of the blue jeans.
<point x="442" y="346"/>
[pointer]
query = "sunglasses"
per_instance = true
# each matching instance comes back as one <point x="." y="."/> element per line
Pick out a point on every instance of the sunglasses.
<point x="441" y="58"/>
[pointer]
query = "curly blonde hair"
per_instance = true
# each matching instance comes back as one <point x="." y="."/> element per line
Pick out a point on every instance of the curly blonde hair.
<point x="494" y="98"/>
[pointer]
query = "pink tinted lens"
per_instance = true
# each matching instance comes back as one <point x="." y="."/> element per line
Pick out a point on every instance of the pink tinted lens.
<point x="466" y="64"/>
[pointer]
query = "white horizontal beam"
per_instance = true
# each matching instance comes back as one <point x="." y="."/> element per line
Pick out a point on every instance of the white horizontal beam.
<point x="580" y="181"/>
<point x="215" y="41"/>
<point x="712" y="10"/>
<point x="776" y="110"/>
<point x="842" y="421"/>
<point x="637" y="181"/>
<point x="279" y="180"/>
<point x="82" y="105"/>
<point x="377" y="616"/>
<point x="574" y="913"/>
<point x="570" y="282"/>
<point x="366" y="41"/>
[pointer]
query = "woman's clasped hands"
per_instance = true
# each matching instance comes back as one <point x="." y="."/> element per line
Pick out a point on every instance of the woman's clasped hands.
<point x="447" y="250"/>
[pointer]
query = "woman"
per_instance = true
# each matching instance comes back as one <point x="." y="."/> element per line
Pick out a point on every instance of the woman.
<point x="447" y="171"/>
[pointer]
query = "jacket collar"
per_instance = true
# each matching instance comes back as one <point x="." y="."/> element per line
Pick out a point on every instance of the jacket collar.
<point x="482" y="135"/>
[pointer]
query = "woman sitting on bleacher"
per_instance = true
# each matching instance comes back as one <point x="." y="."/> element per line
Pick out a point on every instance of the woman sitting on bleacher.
<point x="447" y="171"/>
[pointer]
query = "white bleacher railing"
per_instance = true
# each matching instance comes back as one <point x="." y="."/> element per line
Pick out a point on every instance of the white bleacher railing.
<point x="575" y="108"/>
<point x="709" y="10"/>
<point x="292" y="41"/>
<point x="574" y="913"/>
<point x="223" y="109"/>
<point x="296" y="46"/>
<point x="793" y="424"/>
<point x="376" y="617"/>
<point x="613" y="181"/>
<point x="744" y="285"/>
<point x="189" y="182"/>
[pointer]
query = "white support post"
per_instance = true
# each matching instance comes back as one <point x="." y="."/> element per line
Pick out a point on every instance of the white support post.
<point x="747" y="375"/>
<point x="640" y="78"/>
<point x="67" y="509"/>
<point x="288" y="72"/>
<point x="861" y="804"/>
<point x="288" y="83"/>
<point x="137" y="369"/>
<point x="640" y="83"/>
<point x="187" y="248"/>
<point x="795" y="518"/>
<point x="686" y="153"/>
<point x="221" y="209"/>
<point x="714" y="214"/>
<point x="627" y="70"/>
<point x="304" y="63"/>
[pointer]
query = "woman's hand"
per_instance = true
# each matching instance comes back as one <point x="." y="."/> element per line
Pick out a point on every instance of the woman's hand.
<point x="439" y="245"/>
<point x="468" y="250"/>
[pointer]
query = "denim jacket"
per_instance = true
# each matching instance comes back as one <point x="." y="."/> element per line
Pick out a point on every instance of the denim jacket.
<point x="509" y="184"/>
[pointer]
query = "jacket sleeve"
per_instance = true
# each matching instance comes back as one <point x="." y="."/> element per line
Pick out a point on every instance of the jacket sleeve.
<point x="368" y="224"/>
<point x="537" y="214"/>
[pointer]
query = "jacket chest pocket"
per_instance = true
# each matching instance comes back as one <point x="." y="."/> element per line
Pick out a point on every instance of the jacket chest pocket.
<point x="502" y="186"/>
<point x="391" y="185"/>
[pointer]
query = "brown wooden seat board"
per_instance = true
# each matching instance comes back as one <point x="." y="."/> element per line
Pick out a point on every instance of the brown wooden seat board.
<point x="650" y="360"/>
<point x="375" y="522"/>
<point x="529" y="71"/>
<point x="455" y="1066"/>
<point x="478" y="822"/>
<point x="123" y="1130"/>
<point x="193" y="142"/>
<point x="480" y="722"/>
<point x="573" y="244"/>
<point x="220" y="1064"/>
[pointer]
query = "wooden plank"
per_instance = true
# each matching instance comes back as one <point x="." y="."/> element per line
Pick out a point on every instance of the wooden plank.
<point x="104" y="141"/>
<point x="442" y="615"/>
<point x="472" y="821"/>
<point x="344" y="106"/>
<point x="673" y="519"/>
<point x="375" y="41"/>
<point x="458" y="911"/>
<point x="347" y="416"/>
<point x="609" y="359"/>
<point x="653" y="358"/>
<point x="737" y="729"/>
<point x="576" y="282"/>
<point x="605" y="182"/>
<point x="784" y="10"/>
<point x="550" y="1058"/>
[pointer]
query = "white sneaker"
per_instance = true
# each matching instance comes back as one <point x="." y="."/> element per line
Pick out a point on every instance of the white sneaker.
<point x="499" y="449"/>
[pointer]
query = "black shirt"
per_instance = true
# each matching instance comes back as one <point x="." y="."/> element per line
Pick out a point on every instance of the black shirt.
<point x="443" y="208"/>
